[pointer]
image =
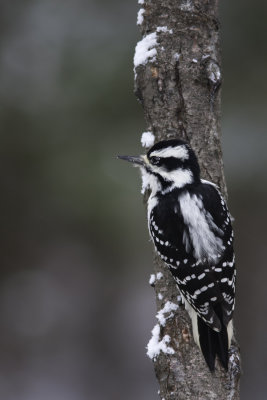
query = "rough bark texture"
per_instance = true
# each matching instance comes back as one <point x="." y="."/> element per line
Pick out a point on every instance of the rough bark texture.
<point x="179" y="90"/>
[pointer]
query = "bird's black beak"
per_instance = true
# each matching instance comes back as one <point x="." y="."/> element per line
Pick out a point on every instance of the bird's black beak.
<point x="138" y="160"/>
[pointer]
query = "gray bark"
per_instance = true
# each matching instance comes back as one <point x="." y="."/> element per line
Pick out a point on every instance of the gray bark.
<point x="179" y="90"/>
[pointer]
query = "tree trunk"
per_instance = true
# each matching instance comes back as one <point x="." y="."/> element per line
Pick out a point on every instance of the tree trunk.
<point x="178" y="81"/>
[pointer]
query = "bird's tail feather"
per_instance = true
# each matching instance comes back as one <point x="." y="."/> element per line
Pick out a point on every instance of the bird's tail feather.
<point x="212" y="343"/>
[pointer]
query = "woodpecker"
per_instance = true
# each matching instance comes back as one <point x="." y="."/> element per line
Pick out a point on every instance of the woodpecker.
<point x="190" y="226"/>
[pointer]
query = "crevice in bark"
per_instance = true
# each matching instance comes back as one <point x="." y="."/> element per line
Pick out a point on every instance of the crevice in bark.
<point x="181" y="109"/>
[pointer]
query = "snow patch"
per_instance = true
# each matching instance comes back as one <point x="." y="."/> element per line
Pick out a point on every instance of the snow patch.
<point x="152" y="279"/>
<point x="140" y="16"/>
<point x="145" y="49"/>
<point x="164" y="29"/>
<point x="141" y="1"/>
<point x="234" y="360"/>
<point x="155" y="345"/>
<point x="160" y="297"/>
<point x="214" y="73"/>
<point x="187" y="6"/>
<point x="159" y="275"/>
<point x="168" y="308"/>
<point x="147" y="139"/>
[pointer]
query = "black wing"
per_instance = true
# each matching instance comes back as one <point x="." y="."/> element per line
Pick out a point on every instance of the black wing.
<point x="205" y="284"/>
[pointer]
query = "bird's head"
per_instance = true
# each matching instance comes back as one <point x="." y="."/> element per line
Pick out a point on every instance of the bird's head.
<point x="167" y="165"/>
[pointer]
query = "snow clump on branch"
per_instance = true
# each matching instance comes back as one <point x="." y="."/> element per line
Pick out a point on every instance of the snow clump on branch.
<point x="155" y="345"/>
<point x="169" y="307"/>
<point x="140" y="16"/>
<point x="147" y="139"/>
<point x="145" y="49"/>
<point x="164" y="29"/>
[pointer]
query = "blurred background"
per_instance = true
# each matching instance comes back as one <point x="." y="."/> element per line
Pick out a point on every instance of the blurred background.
<point x="76" y="309"/>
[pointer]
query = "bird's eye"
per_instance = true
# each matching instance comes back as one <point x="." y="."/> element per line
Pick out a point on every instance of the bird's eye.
<point x="154" y="160"/>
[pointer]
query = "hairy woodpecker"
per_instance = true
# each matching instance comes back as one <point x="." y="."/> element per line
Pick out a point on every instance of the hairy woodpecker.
<point x="190" y="226"/>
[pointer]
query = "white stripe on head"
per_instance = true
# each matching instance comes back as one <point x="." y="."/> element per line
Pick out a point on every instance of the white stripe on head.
<point x="179" y="177"/>
<point x="180" y="152"/>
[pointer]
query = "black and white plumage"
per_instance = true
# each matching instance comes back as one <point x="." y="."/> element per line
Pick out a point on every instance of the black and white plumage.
<point x="191" y="229"/>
